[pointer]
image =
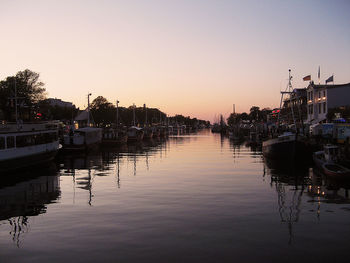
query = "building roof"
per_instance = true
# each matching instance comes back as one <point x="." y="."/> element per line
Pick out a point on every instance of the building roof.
<point x="328" y="86"/>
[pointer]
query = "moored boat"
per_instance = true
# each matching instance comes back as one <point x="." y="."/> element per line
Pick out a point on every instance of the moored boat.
<point x="112" y="136"/>
<point x="326" y="161"/>
<point x="28" y="144"/>
<point x="135" y="134"/>
<point x="82" y="139"/>
<point x="288" y="147"/>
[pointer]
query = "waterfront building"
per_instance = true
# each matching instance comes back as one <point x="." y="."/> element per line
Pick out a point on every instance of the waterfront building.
<point x="298" y="100"/>
<point x="322" y="97"/>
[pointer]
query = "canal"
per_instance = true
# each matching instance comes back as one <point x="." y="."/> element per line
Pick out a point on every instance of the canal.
<point x="190" y="198"/>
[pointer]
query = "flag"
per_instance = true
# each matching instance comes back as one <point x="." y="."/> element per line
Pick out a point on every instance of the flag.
<point x="330" y="79"/>
<point x="308" y="77"/>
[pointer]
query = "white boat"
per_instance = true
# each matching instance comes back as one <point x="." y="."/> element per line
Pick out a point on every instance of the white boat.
<point x="27" y="144"/>
<point x="82" y="139"/>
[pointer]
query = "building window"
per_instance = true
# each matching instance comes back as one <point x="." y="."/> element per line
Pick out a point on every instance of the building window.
<point x="311" y="109"/>
<point x="319" y="94"/>
<point x="324" y="107"/>
<point x="319" y="108"/>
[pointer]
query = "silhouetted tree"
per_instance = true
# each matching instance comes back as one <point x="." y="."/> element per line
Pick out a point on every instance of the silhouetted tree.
<point x="30" y="90"/>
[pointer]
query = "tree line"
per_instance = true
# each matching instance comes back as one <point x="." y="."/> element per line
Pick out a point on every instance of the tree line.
<point x="32" y="104"/>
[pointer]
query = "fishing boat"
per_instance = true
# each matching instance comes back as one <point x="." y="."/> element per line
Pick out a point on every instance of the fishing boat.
<point x="83" y="138"/>
<point x="135" y="134"/>
<point x="27" y="144"/>
<point x="147" y="133"/>
<point x="289" y="147"/>
<point x="156" y="132"/>
<point x="114" y="135"/>
<point x="326" y="161"/>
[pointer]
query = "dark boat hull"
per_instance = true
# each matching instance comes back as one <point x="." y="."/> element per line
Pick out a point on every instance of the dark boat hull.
<point x="291" y="151"/>
<point x="27" y="161"/>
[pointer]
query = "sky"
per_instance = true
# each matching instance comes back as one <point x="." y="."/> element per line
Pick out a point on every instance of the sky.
<point x="191" y="57"/>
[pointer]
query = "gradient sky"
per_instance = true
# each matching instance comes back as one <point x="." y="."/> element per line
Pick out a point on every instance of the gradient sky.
<point x="192" y="57"/>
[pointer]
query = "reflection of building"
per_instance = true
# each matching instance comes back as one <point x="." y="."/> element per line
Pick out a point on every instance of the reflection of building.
<point x="320" y="98"/>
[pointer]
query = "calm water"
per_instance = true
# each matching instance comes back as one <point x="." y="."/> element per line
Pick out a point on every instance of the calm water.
<point x="192" y="198"/>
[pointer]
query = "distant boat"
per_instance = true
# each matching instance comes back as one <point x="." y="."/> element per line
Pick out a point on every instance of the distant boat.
<point x="326" y="161"/>
<point x="135" y="134"/>
<point x="147" y="133"/>
<point x="112" y="136"/>
<point x="82" y="139"/>
<point x="28" y="144"/>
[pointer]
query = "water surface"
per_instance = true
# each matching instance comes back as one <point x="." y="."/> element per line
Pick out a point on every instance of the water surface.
<point x="190" y="198"/>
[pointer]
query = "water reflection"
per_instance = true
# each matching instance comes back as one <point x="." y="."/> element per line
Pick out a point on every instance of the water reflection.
<point x="85" y="167"/>
<point x="295" y="185"/>
<point x="24" y="195"/>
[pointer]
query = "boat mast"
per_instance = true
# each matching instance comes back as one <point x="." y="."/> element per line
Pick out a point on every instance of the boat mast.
<point x="289" y="90"/>
<point x="117" y="114"/>
<point x="88" y="109"/>
<point x="146" y="124"/>
<point x="16" y="102"/>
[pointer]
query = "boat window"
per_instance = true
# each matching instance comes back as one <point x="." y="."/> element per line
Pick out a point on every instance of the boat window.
<point x="2" y="143"/>
<point x="10" y="142"/>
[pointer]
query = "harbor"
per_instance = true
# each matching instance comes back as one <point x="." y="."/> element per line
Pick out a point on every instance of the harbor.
<point x="174" y="131"/>
<point x="222" y="201"/>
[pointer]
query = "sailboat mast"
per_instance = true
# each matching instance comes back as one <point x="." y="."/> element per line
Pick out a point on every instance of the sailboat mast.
<point x="88" y="110"/>
<point x="290" y="89"/>
<point x="16" y="102"/>
<point x="117" y="114"/>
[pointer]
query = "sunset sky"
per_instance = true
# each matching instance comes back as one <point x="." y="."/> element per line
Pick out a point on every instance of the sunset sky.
<point x="192" y="57"/>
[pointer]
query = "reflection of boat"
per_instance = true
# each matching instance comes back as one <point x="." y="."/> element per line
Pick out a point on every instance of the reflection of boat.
<point x="22" y="198"/>
<point x="288" y="147"/>
<point x="326" y="161"/>
<point x="82" y="139"/>
<point x="23" y="145"/>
